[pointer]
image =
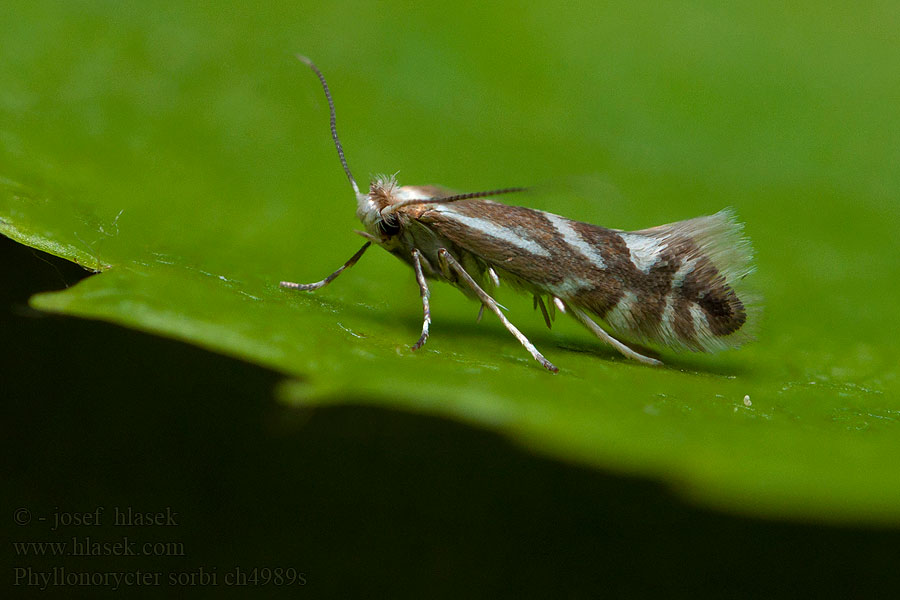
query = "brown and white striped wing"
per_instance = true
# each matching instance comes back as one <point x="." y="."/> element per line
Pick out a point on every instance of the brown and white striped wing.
<point x="677" y="284"/>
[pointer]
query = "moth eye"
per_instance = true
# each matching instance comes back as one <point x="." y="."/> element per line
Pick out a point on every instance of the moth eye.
<point x="389" y="226"/>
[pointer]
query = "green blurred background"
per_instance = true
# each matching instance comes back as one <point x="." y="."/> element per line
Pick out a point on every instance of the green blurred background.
<point x="185" y="147"/>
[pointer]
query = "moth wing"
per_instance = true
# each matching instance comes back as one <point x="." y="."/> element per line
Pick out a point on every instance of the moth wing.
<point x="680" y="285"/>
<point x="697" y="298"/>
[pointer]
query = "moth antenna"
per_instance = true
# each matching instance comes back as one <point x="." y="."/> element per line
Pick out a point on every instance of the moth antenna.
<point x="334" y="135"/>
<point x="446" y="199"/>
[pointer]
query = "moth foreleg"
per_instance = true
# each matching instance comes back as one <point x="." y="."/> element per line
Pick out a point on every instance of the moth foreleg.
<point x="426" y="294"/>
<point x="603" y="335"/>
<point x="319" y="284"/>
<point x="446" y="258"/>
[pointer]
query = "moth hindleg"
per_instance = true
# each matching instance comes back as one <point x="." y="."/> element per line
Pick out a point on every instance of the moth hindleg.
<point x="423" y="289"/>
<point x="447" y="259"/>
<point x="603" y="335"/>
<point x="319" y="284"/>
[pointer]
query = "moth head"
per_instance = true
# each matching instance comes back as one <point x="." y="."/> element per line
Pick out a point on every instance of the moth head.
<point x="371" y="208"/>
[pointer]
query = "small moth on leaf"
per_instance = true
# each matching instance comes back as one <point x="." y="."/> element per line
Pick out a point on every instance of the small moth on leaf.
<point x="676" y="285"/>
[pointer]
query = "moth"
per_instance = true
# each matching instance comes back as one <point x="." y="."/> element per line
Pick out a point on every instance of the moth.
<point x="676" y="285"/>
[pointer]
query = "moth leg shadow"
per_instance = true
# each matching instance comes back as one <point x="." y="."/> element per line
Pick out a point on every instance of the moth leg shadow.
<point x="696" y="363"/>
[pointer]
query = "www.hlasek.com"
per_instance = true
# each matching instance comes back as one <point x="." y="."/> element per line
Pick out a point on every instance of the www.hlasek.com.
<point x="114" y="580"/>
<point x="88" y="546"/>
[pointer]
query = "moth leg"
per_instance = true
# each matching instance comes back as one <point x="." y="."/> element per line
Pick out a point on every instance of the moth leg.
<point x="480" y="313"/>
<point x="603" y="335"/>
<point x="538" y="301"/>
<point x="445" y="268"/>
<point x="423" y="289"/>
<point x="319" y="284"/>
<point x="559" y="304"/>
<point x="445" y="256"/>
<point x="493" y="275"/>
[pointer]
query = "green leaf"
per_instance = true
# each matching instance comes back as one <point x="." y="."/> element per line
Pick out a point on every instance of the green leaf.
<point x="184" y="152"/>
